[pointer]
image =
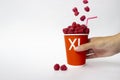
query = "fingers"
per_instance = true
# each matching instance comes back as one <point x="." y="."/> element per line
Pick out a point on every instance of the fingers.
<point x="88" y="46"/>
<point x="83" y="47"/>
<point x="90" y="51"/>
<point x="90" y="54"/>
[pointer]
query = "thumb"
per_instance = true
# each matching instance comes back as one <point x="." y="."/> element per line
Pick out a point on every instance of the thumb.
<point x="83" y="47"/>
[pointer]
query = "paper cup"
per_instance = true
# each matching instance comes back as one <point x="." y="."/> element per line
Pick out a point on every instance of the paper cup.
<point x="72" y="41"/>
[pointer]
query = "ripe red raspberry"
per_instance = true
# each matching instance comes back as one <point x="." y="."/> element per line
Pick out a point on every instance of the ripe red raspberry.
<point x="63" y="67"/>
<point x="69" y="27"/>
<point x="83" y="26"/>
<point x="81" y="31"/>
<point x="75" y="9"/>
<point x="87" y="9"/>
<point x="82" y="18"/>
<point x="78" y="25"/>
<point x="56" y="67"/>
<point x="65" y="30"/>
<point x="73" y="27"/>
<point x="85" y="1"/>
<point x="74" y="24"/>
<point x="75" y="32"/>
<point x="76" y="13"/>
<point x="87" y="30"/>
<point x="70" y="31"/>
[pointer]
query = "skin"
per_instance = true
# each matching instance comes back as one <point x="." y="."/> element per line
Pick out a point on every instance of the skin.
<point x="101" y="46"/>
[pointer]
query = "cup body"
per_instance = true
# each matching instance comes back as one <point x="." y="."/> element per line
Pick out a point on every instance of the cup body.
<point x="72" y="41"/>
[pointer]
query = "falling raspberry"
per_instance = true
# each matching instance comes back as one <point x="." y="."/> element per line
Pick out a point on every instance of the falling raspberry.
<point x="56" y="67"/>
<point x="76" y="13"/>
<point x="87" y="9"/>
<point x="82" y="18"/>
<point x="75" y="9"/>
<point x="85" y="1"/>
<point x="63" y="67"/>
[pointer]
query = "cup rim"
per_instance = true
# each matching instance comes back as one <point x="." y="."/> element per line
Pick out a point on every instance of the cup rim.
<point x="75" y="34"/>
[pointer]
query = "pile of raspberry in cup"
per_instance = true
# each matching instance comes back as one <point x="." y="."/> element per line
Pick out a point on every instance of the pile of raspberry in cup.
<point x="76" y="28"/>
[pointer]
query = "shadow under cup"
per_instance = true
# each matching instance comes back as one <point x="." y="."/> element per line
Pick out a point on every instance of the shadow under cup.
<point x="72" y="41"/>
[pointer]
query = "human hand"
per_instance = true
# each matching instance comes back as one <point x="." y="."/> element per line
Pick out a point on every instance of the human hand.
<point x="101" y="46"/>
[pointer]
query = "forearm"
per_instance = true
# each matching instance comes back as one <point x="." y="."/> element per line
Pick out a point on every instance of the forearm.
<point x="116" y="41"/>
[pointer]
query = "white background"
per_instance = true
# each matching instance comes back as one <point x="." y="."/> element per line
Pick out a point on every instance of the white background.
<point x="31" y="39"/>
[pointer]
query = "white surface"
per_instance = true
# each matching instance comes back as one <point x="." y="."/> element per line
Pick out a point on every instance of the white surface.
<point x="31" y="39"/>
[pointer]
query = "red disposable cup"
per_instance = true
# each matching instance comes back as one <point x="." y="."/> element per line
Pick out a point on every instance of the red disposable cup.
<point x="72" y="41"/>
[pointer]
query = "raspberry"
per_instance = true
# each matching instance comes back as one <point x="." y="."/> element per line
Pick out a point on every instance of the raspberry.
<point x="87" y="30"/>
<point x="75" y="9"/>
<point x="74" y="24"/>
<point x="69" y="27"/>
<point x="76" y="13"/>
<point x="81" y="31"/>
<point x="71" y="31"/>
<point x="83" y="26"/>
<point x="87" y="9"/>
<point x="82" y="18"/>
<point x="74" y="27"/>
<point x="63" y="67"/>
<point x="85" y="1"/>
<point x="56" y="67"/>
<point x="65" y="30"/>
<point x="78" y="25"/>
<point x="75" y="32"/>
